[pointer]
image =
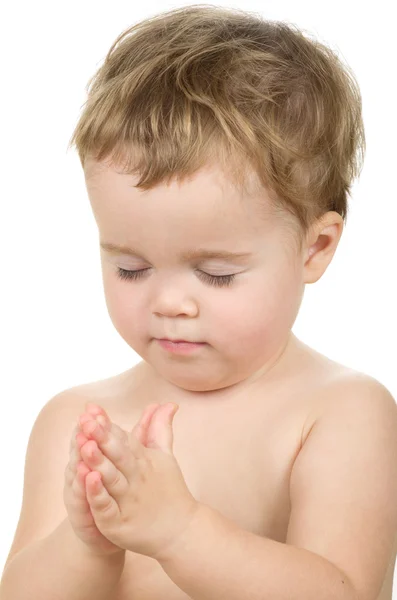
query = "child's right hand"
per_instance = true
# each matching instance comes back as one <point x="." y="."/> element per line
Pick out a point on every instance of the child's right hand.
<point x="75" y="499"/>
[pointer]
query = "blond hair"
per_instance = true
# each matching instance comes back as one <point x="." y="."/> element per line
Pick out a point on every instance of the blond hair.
<point x="204" y="84"/>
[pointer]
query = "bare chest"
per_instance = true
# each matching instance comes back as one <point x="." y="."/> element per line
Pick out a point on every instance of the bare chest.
<point x="237" y="458"/>
<point x="236" y="455"/>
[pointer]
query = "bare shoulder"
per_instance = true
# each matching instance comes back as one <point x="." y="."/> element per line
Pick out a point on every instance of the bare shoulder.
<point x="48" y="453"/>
<point x="343" y="485"/>
<point x="108" y="392"/>
<point x="102" y="389"/>
<point x="334" y="386"/>
<point x="352" y="392"/>
<point x="347" y="384"/>
<point x="359" y="392"/>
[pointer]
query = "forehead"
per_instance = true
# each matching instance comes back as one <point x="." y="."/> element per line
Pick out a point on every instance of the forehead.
<point x="207" y="199"/>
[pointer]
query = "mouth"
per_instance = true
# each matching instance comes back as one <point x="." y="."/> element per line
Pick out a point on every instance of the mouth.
<point x="177" y="341"/>
<point x="180" y="346"/>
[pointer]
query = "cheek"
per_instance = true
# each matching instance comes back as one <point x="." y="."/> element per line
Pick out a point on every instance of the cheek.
<point x="122" y="304"/>
<point x="262" y="312"/>
<point x="115" y="299"/>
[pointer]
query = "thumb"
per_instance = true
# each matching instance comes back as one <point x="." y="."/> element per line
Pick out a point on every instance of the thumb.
<point x="160" y="434"/>
<point x="141" y="427"/>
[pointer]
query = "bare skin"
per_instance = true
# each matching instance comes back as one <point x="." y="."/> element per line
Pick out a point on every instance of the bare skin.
<point x="208" y="437"/>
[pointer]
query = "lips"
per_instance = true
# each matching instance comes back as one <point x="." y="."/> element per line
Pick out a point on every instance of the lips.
<point x="180" y="347"/>
<point x="177" y="341"/>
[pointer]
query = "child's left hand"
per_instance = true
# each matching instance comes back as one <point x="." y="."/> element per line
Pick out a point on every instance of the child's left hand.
<point x="136" y="490"/>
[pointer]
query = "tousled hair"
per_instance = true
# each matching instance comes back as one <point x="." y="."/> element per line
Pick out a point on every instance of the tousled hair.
<point x="204" y="84"/>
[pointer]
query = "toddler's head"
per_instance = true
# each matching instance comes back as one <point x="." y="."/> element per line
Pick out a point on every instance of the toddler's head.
<point x="213" y="130"/>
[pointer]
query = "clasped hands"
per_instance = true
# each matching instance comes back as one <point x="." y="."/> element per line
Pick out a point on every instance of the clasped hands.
<point x="136" y="490"/>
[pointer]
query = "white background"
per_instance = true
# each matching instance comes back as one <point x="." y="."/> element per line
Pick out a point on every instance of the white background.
<point x="55" y="330"/>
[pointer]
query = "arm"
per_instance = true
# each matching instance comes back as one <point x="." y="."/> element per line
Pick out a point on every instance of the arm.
<point x="217" y="560"/>
<point x="61" y="567"/>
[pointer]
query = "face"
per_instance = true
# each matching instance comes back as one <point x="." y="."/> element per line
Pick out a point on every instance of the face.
<point x="241" y="308"/>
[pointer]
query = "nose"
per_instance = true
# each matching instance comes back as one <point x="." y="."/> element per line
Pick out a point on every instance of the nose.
<point x="171" y="300"/>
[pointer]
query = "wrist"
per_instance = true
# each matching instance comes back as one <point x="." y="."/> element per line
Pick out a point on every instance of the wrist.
<point x="185" y="539"/>
<point x="110" y="554"/>
<point x="101" y="554"/>
<point x="114" y="555"/>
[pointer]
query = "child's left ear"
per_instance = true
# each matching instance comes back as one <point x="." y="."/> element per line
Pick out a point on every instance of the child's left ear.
<point x="322" y="242"/>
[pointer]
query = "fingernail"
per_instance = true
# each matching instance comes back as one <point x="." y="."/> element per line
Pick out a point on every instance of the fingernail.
<point x="92" y="452"/>
<point x="92" y="408"/>
<point x="89" y="428"/>
<point x="84" y="419"/>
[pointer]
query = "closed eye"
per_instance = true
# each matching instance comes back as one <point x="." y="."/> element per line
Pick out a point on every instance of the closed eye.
<point x="216" y="280"/>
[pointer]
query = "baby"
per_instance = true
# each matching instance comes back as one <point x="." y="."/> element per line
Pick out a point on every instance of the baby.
<point x="233" y="461"/>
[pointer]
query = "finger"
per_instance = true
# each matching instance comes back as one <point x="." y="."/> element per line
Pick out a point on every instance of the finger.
<point x="120" y="453"/>
<point x="113" y="479"/>
<point x="109" y="426"/>
<point x="115" y="430"/>
<point x="74" y="490"/>
<point x="79" y="506"/>
<point x="77" y="441"/>
<point x="73" y="438"/>
<point x="94" y="409"/>
<point x="78" y="485"/>
<point x="103" y="506"/>
<point x="161" y="433"/>
<point x="85" y="418"/>
<point x="97" y="411"/>
<point x="103" y="421"/>
<point x="93" y="430"/>
<point x="140" y="429"/>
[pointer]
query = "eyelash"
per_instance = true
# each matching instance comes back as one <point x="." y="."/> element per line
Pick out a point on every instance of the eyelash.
<point x="219" y="280"/>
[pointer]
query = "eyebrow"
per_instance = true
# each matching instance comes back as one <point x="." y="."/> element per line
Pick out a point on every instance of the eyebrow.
<point x="186" y="255"/>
